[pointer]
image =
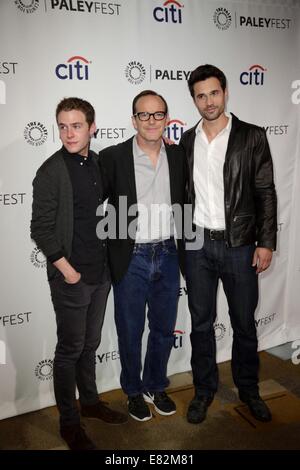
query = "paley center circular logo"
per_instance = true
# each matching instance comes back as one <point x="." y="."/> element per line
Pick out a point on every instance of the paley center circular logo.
<point x="135" y="72"/>
<point x="37" y="258"/>
<point x="35" y="133"/>
<point x="44" y="369"/>
<point x="222" y="18"/>
<point x="220" y="331"/>
<point x="29" y="6"/>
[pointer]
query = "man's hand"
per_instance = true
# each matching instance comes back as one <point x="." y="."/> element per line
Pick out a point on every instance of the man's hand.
<point x="262" y="259"/>
<point x="70" y="274"/>
<point x="73" y="279"/>
<point x="168" y="141"/>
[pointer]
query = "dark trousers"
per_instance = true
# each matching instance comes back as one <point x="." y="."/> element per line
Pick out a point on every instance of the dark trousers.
<point x="152" y="278"/>
<point x="79" y="310"/>
<point x="204" y="268"/>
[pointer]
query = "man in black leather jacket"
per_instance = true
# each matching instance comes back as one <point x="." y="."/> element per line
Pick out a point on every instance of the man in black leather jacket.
<point x="231" y="190"/>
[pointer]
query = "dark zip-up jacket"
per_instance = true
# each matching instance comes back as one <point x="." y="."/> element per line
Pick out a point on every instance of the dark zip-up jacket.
<point x="250" y="201"/>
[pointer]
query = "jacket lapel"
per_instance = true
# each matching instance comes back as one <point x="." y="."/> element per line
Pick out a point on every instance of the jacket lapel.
<point x="129" y="169"/>
<point x="172" y="177"/>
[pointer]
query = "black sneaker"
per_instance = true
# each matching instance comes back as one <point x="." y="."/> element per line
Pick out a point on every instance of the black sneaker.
<point x="162" y="403"/>
<point x="138" y="409"/>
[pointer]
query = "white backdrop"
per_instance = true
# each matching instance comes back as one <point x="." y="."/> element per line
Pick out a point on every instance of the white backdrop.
<point x="107" y="52"/>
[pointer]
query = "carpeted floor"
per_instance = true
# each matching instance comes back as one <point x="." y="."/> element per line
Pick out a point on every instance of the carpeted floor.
<point x="228" y="426"/>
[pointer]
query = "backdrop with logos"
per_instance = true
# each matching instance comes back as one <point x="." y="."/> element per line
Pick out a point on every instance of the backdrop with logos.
<point x="107" y="52"/>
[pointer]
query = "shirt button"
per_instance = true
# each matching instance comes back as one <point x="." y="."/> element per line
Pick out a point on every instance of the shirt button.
<point x="81" y="163"/>
<point x="95" y="183"/>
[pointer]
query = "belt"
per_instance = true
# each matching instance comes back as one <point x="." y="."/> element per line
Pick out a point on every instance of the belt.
<point x="215" y="234"/>
<point x="157" y="242"/>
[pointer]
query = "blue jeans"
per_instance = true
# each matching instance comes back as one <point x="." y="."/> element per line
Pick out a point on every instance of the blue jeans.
<point x="152" y="279"/>
<point x="204" y="268"/>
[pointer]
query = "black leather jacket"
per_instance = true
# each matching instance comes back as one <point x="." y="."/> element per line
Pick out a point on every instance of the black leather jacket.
<point x="249" y="193"/>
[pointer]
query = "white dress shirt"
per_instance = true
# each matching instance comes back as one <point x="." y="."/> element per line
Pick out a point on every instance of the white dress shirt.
<point x="209" y="160"/>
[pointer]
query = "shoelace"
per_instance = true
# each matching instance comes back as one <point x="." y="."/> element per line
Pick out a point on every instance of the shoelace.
<point x="161" y="396"/>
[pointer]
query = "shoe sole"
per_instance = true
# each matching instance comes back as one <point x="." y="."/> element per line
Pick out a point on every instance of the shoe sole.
<point x="191" y="421"/>
<point x="160" y="412"/>
<point x="147" y="418"/>
<point x="104" y="421"/>
<point x="258" y="418"/>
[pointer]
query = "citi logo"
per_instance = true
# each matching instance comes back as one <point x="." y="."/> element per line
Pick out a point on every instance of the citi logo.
<point x="174" y="129"/>
<point x="254" y="76"/>
<point x="170" y="12"/>
<point x="76" y="67"/>
<point x="178" y="335"/>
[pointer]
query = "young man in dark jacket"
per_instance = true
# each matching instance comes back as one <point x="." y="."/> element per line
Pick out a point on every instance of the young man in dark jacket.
<point x="67" y="190"/>
<point x="231" y="190"/>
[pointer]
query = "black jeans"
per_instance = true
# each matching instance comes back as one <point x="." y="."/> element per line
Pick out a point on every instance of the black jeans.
<point x="79" y="312"/>
<point x="204" y="268"/>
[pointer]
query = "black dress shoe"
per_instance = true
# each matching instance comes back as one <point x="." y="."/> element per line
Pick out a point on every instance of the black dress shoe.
<point x="101" y="411"/>
<point x="257" y="407"/>
<point x="198" y="408"/>
<point x="76" y="438"/>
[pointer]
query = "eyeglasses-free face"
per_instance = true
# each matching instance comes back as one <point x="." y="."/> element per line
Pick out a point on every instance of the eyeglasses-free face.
<point x="74" y="131"/>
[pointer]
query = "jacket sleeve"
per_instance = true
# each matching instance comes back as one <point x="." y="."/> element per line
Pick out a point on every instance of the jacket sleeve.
<point x="44" y="210"/>
<point x="265" y="194"/>
<point x="106" y="169"/>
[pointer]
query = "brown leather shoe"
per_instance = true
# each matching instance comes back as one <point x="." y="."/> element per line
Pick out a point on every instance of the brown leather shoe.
<point x="76" y="438"/>
<point x="101" y="411"/>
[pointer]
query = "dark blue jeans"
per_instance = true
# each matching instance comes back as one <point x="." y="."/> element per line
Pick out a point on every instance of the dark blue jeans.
<point x="152" y="279"/>
<point x="204" y="268"/>
<point x="79" y="312"/>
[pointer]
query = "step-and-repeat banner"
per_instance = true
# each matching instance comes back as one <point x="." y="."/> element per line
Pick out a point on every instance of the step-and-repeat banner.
<point x="107" y="52"/>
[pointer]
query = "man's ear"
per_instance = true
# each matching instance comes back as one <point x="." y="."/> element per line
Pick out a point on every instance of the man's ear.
<point x="93" y="129"/>
<point x="133" y="120"/>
